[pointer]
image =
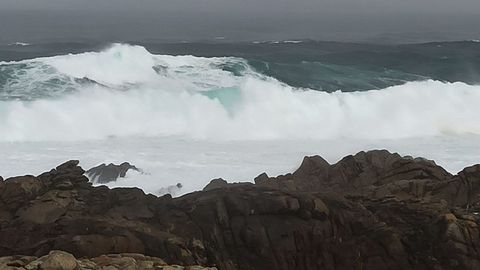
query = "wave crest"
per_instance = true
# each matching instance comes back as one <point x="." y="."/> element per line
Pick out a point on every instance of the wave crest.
<point x="126" y="91"/>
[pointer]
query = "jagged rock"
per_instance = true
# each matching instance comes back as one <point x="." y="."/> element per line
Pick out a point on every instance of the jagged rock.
<point x="215" y="183"/>
<point x="373" y="210"/>
<point x="261" y="179"/>
<point x="110" y="173"/>
<point x="358" y="174"/>
<point x="311" y="165"/>
<point x="221" y="183"/>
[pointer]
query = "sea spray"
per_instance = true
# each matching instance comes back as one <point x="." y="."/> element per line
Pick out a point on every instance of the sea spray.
<point x="126" y="91"/>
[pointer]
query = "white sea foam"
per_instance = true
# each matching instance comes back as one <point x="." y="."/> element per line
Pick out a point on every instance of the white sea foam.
<point x="194" y="98"/>
<point x="262" y="110"/>
<point x="19" y="44"/>
<point x="168" y="161"/>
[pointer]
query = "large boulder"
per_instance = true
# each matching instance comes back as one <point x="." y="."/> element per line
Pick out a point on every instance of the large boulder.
<point x="58" y="260"/>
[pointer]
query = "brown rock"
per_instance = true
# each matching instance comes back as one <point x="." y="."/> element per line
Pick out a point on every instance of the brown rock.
<point x="59" y="260"/>
<point x="16" y="191"/>
<point x="312" y="165"/>
<point x="373" y="210"/>
<point x="215" y="183"/>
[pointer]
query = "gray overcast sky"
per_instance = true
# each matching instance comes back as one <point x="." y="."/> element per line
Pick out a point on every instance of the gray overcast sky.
<point x="221" y="5"/>
<point x="128" y="20"/>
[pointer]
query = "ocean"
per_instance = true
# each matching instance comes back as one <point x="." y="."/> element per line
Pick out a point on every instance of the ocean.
<point x="190" y="112"/>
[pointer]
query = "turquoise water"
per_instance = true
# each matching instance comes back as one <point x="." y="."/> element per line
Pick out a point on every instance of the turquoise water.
<point x="229" y="97"/>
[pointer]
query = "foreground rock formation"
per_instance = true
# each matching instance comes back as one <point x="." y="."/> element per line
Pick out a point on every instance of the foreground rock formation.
<point x="59" y="260"/>
<point x="374" y="210"/>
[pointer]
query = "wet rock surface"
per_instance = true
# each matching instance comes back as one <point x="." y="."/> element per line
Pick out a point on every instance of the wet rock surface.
<point x="103" y="173"/>
<point x="372" y="210"/>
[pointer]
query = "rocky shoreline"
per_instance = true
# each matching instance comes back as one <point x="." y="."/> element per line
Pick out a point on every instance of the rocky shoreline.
<point x="372" y="210"/>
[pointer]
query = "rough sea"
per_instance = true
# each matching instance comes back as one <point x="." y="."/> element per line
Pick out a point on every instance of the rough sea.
<point x="190" y="112"/>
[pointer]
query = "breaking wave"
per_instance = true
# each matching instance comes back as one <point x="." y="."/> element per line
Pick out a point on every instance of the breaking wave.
<point x="127" y="91"/>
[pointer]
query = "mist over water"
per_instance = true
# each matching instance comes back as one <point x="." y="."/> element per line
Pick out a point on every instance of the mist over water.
<point x="193" y="163"/>
<point x="372" y="21"/>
